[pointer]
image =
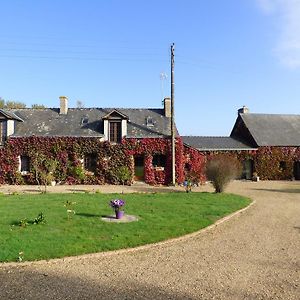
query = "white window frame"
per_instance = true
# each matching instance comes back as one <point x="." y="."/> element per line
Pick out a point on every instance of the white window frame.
<point x="25" y="172"/>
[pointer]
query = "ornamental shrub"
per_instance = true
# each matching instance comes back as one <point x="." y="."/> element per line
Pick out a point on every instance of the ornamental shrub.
<point x="124" y="175"/>
<point x="220" y="170"/>
<point x="40" y="219"/>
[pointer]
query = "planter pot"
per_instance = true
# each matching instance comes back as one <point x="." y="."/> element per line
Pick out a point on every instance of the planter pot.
<point x="119" y="214"/>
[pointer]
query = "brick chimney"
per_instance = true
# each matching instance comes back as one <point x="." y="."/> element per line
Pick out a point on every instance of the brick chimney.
<point x="243" y="110"/>
<point x="63" y="105"/>
<point x="167" y="107"/>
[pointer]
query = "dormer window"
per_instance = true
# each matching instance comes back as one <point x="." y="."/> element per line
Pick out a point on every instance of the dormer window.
<point x="7" y="124"/>
<point x="84" y="120"/>
<point x="115" y="135"/>
<point x="3" y="131"/>
<point x="115" y="126"/>
<point x="149" y="122"/>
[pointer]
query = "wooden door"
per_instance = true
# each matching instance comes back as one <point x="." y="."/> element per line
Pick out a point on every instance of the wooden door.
<point x="139" y="168"/>
<point x="297" y="170"/>
<point x="247" y="169"/>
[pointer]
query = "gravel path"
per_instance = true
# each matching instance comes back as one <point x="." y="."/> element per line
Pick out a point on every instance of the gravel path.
<point x="253" y="255"/>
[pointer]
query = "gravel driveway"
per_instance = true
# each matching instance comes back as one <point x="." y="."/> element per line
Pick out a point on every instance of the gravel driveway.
<point x="253" y="255"/>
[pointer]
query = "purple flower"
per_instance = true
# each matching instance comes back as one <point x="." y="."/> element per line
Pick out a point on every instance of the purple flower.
<point x="116" y="204"/>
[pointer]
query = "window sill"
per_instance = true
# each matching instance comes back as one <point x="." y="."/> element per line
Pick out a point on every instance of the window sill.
<point x="159" y="168"/>
<point x="89" y="173"/>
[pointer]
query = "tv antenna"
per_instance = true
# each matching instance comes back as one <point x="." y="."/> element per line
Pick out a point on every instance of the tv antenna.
<point x="163" y="78"/>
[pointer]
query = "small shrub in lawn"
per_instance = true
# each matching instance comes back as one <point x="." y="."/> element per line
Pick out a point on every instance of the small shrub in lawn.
<point x="21" y="256"/>
<point x="221" y="170"/>
<point x="69" y="205"/>
<point x="40" y="219"/>
<point x="23" y="223"/>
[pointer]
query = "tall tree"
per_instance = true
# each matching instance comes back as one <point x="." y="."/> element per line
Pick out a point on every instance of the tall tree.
<point x="2" y="102"/>
<point x="38" y="106"/>
<point x="11" y="104"/>
<point x="79" y="104"/>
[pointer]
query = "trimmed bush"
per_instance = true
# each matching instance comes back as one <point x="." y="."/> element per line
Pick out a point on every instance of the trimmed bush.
<point x="221" y="170"/>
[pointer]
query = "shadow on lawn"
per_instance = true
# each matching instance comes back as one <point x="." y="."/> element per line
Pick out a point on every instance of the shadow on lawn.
<point x="88" y="215"/>
<point x="77" y="190"/>
<point x="155" y="190"/>
<point x="32" y="191"/>
<point x="292" y="191"/>
<point x="22" y="223"/>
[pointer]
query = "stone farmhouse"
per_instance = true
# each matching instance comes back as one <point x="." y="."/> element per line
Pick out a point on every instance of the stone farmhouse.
<point x="99" y="145"/>
<point x="266" y="144"/>
<point x="87" y="145"/>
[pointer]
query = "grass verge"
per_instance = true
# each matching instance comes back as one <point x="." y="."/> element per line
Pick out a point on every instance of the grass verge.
<point x="161" y="217"/>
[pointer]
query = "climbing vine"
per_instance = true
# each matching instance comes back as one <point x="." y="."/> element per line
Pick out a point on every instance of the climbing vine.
<point x="65" y="156"/>
<point x="270" y="163"/>
<point x="68" y="154"/>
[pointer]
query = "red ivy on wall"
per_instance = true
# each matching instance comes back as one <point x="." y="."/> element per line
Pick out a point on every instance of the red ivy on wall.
<point x="267" y="161"/>
<point x="194" y="165"/>
<point x="69" y="151"/>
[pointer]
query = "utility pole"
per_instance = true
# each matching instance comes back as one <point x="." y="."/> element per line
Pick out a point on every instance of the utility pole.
<point x="172" y="116"/>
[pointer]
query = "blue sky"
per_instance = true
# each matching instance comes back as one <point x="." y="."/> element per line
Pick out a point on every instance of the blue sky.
<point x="112" y="53"/>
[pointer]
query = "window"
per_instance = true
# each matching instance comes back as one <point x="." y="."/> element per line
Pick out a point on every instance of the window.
<point x="149" y="122"/>
<point x="159" y="160"/>
<point x="25" y="164"/>
<point x="3" y="131"/>
<point x="90" y="162"/>
<point x="115" y="132"/>
<point x="84" y="120"/>
<point x="187" y="167"/>
<point x="282" y="165"/>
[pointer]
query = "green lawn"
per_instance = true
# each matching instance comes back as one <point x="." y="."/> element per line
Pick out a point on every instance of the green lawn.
<point x="161" y="216"/>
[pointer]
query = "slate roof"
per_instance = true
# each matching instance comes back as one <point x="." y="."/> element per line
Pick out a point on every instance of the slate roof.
<point x="215" y="143"/>
<point x="87" y="122"/>
<point x="10" y="115"/>
<point x="272" y="129"/>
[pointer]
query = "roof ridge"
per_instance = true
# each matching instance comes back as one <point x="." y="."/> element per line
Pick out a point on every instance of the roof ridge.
<point x="87" y="108"/>
<point x="207" y="136"/>
<point x="266" y="114"/>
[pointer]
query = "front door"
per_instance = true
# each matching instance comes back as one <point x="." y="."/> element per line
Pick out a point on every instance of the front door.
<point x="139" y="168"/>
<point x="247" y="169"/>
<point x="297" y="170"/>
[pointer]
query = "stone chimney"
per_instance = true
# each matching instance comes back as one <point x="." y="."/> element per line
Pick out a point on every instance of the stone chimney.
<point x="167" y="107"/>
<point x="243" y="110"/>
<point x="63" y="105"/>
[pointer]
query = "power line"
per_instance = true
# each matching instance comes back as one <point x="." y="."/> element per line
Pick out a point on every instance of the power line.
<point x="84" y="58"/>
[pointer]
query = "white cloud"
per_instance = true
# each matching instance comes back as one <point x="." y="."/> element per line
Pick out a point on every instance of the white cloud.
<point x="287" y="14"/>
<point x="268" y="6"/>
